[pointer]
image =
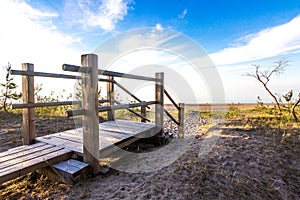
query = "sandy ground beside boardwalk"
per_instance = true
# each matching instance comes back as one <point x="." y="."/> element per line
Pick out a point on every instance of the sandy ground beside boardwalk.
<point x="242" y="164"/>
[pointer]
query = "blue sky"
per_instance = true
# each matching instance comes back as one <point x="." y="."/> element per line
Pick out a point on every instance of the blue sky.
<point x="234" y="33"/>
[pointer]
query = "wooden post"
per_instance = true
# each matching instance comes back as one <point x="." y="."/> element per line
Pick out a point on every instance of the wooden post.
<point x="143" y="113"/>
<point x="110" y="98"/>
<point x="181" y="121"/>
<point x="159" y="97"/>
<point x="28" y="97"/>
<point x="90" y="118"/>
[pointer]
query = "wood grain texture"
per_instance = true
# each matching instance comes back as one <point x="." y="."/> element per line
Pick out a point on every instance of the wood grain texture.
<point x="111" y="133"/>
<point x="90" y="118"/>
<point x="28" y="97"/>
<point x="19" y="166"/>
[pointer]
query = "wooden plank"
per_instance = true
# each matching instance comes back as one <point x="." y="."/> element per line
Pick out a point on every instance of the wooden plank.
<point x="118" y="128"/>
<point x="23" y="153"/>
<point x="20" y="149"/>
<point x="116" y="147"/>
<point x="74" y="146"/>
<point x="102" y="133"/>
<point x="70" y="137"/>
<point x="32" y="165"/>
<point x="112" y="135"/>
<point x="28" y="97"/>
<point x="7" y="164"/>
<point x="125" y="126"/>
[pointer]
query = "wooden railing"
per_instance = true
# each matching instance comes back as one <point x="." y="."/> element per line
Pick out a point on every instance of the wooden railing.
<point x="90" y="103"/>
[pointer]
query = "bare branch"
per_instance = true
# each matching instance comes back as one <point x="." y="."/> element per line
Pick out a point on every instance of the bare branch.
<point x="264" y="76"/>
<point x="279" y="67"/>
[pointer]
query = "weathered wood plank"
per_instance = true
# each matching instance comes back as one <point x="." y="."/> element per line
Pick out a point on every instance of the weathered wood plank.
<point x="112" y="136"/>
<point x="21" y="149"/>
<point x="69" y="137"/>
<point x="102" y="133"/>
<point x="5" y="165"/>
<point x="32" y="165"/>
<point x="23" y="153"/>
<point x="74" y="146"/>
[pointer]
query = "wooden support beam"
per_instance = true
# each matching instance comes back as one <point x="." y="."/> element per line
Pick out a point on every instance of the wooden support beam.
<point x="144" y="114"/>
<point x="110" y="97"/>
<point x="181" y="121"/>
<point x="90" y="118"/>
<point x="159" y="97"/>
<point x="171" y="117"/>
<point x="171" y="99"/>
<point x="28" y="97"/>
<point x="128" y="92"/>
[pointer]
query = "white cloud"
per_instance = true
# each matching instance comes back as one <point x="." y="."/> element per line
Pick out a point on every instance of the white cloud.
<point x="267" y="43"/>
<point x="183" y="14"/>
<point x="159" y="27"/>
<point x="29" y="35"/>
<point x="104" y="14"/>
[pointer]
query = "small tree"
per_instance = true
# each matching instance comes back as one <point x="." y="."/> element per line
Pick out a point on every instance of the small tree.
<point x="8" y="92"/>
<point x="264" y="76"/>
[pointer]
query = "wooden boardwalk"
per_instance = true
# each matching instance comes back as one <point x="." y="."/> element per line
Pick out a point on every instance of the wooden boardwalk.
<point x="91" y="142"/>
<point x="57" y="147"/>
<point x="112" y="136"/>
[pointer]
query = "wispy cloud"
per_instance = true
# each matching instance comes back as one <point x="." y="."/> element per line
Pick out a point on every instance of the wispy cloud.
<point x="29" y="35"/>
<point x="183" y="14"/>
<point x="267" y="43"/>
<point x="94" y="13"/>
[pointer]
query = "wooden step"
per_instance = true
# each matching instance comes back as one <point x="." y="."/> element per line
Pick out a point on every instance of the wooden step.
<point x="22" y="160"/>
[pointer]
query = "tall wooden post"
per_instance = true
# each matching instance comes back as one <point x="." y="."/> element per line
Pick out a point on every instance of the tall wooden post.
<point x="90" y="118"/>
<point x="159" y="97"/>
<point x="181" y="121"/>
<point x="110" y="98"/>
<point x="28" y="97"/>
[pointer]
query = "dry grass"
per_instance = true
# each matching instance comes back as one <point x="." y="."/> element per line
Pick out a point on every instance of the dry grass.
<point x="256" y="157"/>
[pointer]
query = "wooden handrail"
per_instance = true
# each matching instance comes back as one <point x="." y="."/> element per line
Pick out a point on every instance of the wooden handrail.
<point x="71" y="113"/>
<point x="124" y="106"/>
<point x="43" y="74"/>
<point x="74" y="68"/>
<point x="46" y="104"/>
<point x="51" y="75"/>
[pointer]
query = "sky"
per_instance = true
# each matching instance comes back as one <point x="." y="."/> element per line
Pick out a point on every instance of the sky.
<point x="235" y="35"/>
